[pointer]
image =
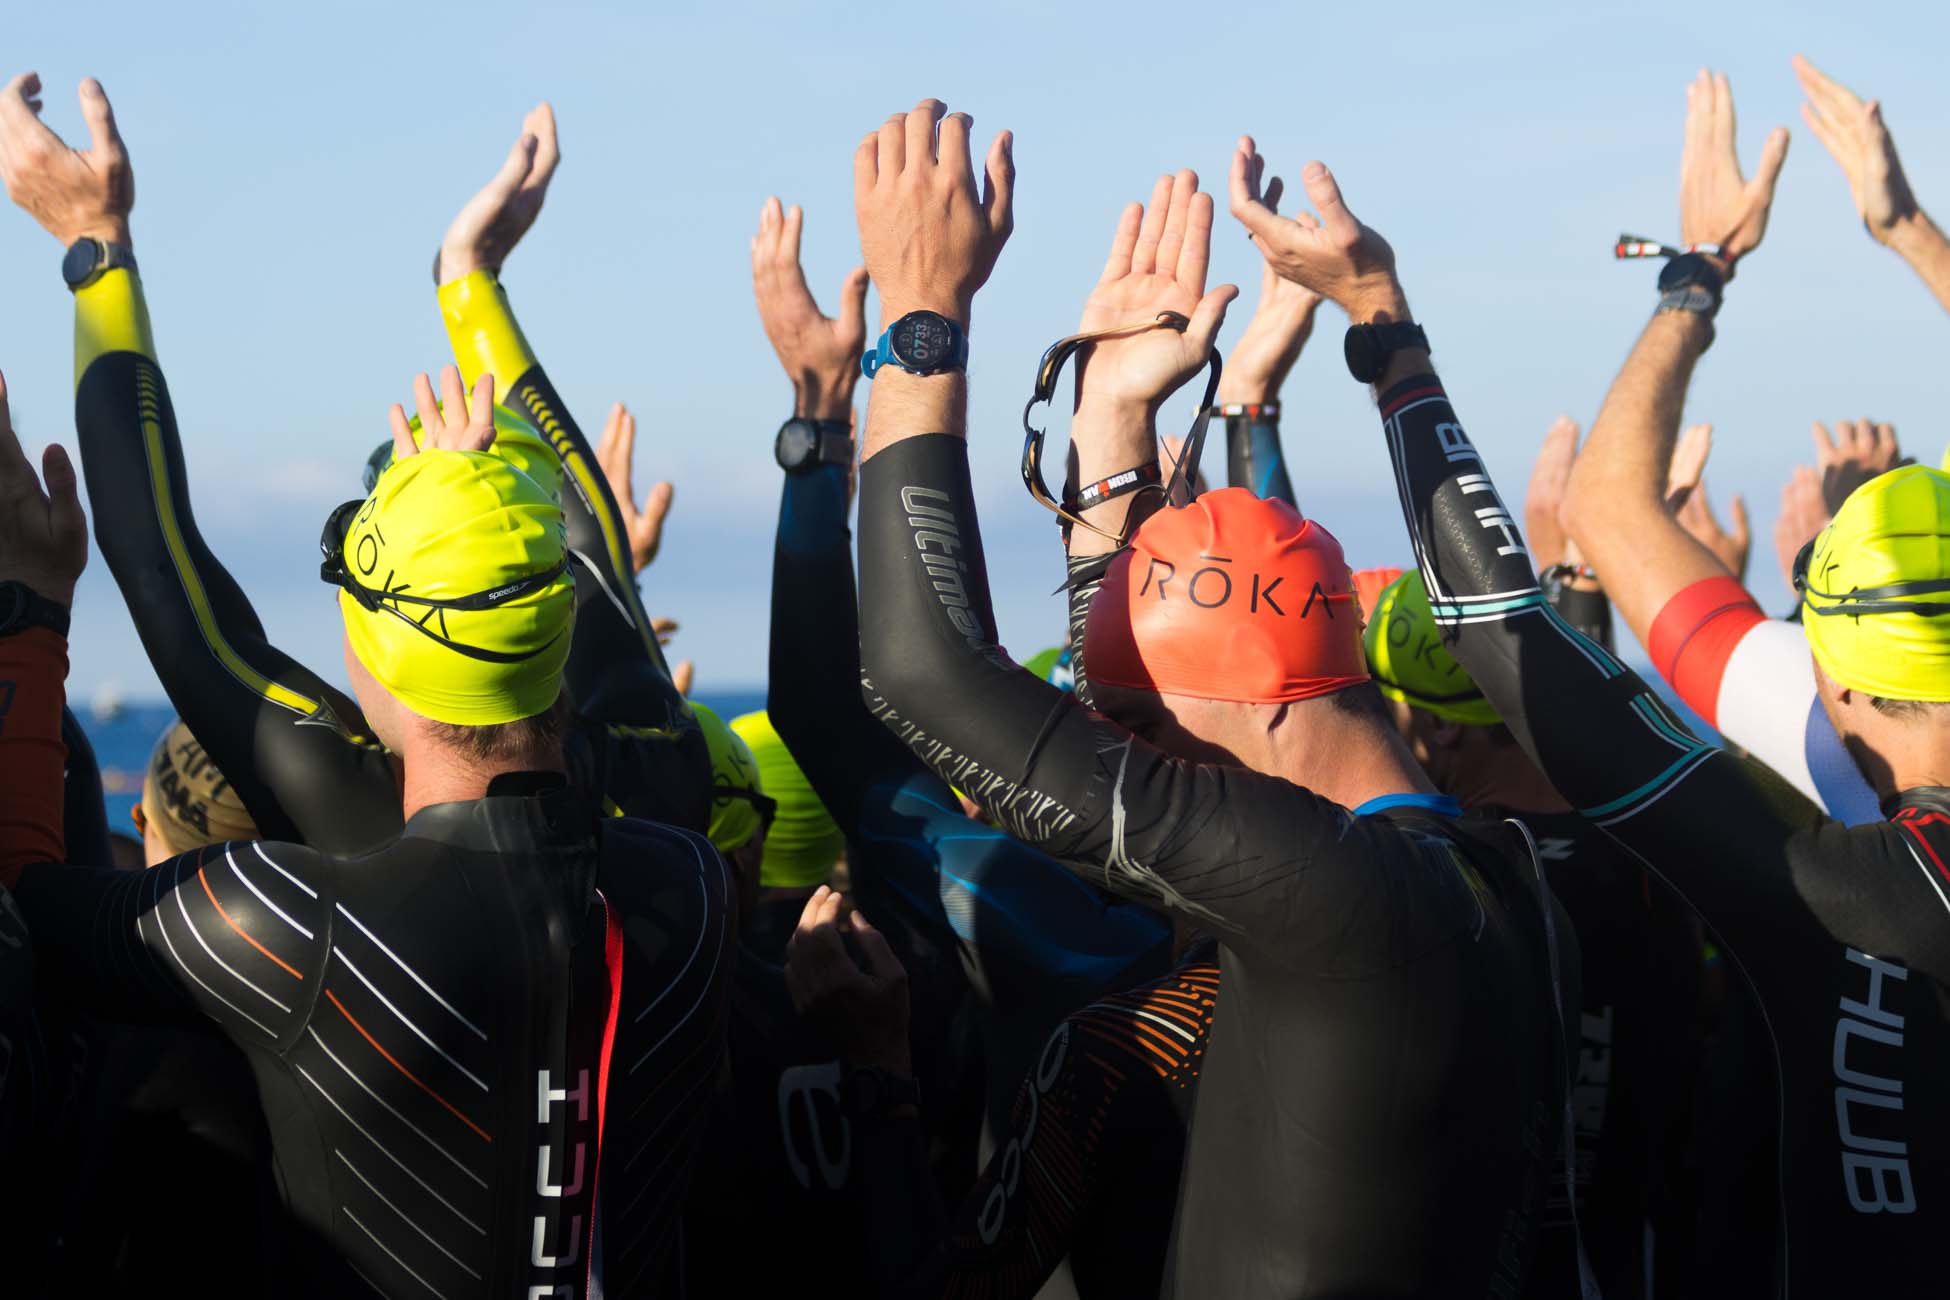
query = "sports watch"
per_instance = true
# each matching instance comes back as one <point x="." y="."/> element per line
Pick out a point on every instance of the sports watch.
<point x="21" y="607"/>
<point x="872" y="1094"/>
<point x="804" y="445"/>
<point x="921" y="343"/>
<point x="1368" y="347"/>
<point x="89" y="259"/>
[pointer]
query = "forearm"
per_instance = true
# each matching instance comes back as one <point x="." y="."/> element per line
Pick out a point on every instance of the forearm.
<point x="487" y="339"/>
<point x="300" y="780"/>
<point x="33" y="677"/>
<point x="1110" y="438"/>
<point x="1919" y="242"/>
<point x="812" y="685"/>
<point x="1615" y="504"/>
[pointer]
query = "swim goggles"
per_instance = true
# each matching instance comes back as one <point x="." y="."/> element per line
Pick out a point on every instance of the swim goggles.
<point x="1895" y="598"/>
<point x="332" y="569"/>
<point x="1178" y="491"/>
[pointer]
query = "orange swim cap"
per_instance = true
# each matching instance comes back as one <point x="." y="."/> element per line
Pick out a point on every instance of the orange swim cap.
<point x="1229" y="598"/>
<point x="1368" y="586"/>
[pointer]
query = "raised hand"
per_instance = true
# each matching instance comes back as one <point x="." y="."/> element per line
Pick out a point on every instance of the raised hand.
<point x="1856" y="452"/>
<point x="862" y="1010"/>
<point x="1855" y="135"/>
<point x="73" y="194"/>
<point x="1333" y="255"/>
<point x="1258" y="364"/>
<point x="644" y="527"/>
<point x="43" y="535"/>
<point x="928" y="237"/>
<point x="1688" y="465"/>
<point x="821" y="354"/>
<point x="1802" y="516"/>
<point x="1717" y="205"/>
<point x="1157" y="263"/>
<point x="1543" y="502"/>
<point x="1730" y="547"/>
<point x="487" y="229"/>
<point x="453" y="423"/>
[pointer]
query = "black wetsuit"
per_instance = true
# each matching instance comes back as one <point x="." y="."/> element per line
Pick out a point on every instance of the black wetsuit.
<point x="1636" y="1053"/>
<point x="1384" y="1085"/>
<point x="1035" y="942"/>
<point x="1843" y="933"/>
<point x="444" y="1099"/>
<point x="1087" y="1169"/>
<point x="297" y="751"/>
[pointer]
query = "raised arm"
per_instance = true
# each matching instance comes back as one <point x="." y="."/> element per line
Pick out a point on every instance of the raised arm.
<point x="616" y="669"/>
<point x="1616" y="503"/>
<point x="1608" y="744"/>
<point x="294" y="748"/>
<point x="1857" y="138"/>
<point x="1255" y="371"/>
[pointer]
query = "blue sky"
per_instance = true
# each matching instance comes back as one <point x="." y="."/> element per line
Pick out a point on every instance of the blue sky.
<point x="296" y="165"/>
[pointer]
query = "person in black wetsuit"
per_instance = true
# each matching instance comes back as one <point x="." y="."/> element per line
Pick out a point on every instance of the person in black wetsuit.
<point x="1035" y="943"/>
<point x="1843" y="933"/>
<point x="509" y="1104"/>
<point x="1388" y="966"/>
<point x="298" y="751"/>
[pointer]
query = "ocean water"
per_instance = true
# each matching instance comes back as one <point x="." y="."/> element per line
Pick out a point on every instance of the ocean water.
<point x="124" y="740"/>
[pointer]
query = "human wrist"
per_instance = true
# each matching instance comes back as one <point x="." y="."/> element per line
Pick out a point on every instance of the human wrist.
<point x="1111" y="434"/>
<point x="455" y="262"/>
<point x="1910" y="233"/>
<point x="1376" y="302"/>
<point x="108" y="229"/>
<point x="824" y="398"/>
<point x="893" y="307"/>
<point x="1249" y="389"/>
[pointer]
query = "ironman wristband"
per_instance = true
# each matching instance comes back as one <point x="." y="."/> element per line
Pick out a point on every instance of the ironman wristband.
<point x="1122" y="483"/>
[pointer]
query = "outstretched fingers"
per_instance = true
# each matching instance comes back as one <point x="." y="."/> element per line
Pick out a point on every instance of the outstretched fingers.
<point x="1178" y="215"/>
<point x="1123" y="243"/>
<point x="1324" y="192"/>
<point x="1151" y="230"/>
<point x="105" y="140"/>
<point x="1195" y="247"/>
<point x="999" y="184"/>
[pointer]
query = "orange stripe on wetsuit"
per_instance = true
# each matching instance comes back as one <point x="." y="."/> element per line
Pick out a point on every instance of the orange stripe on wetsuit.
<point x="204" y="879"/>
<point x="403" y="1070"/>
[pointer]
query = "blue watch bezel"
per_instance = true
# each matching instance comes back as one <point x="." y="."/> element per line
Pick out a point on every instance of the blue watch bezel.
<point x="883" y="351"/>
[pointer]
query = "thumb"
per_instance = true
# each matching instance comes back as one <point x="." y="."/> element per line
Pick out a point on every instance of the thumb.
<point x="1768" y="170"/>
<point x="682" y="676"/>
<point x="1208" y="316"/>
<point x="1325" y="194"/>
<point x="95" y="110"/>
<point x="64" y="496"/>
<point x="1742" y="530"/>
<point x="853" y="304"/>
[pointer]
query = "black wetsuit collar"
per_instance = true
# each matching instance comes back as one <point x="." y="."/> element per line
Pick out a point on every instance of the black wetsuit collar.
<point x="520" y="809"/>
<point x="1923" y="798"/>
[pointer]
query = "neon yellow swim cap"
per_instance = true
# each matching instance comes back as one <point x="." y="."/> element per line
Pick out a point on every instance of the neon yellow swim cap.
<point x="1885" y="555"/>
<point x="516" y="441"/>
<point x="1409" y="662"/>
<point x="803" y="843"/>
<point x="444" y="545"/>
<point x="733" y="820"/>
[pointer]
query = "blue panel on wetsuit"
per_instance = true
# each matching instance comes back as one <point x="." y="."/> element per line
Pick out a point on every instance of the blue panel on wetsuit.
<point x="1437" y="803"/>
<point x="1844" y="792"/>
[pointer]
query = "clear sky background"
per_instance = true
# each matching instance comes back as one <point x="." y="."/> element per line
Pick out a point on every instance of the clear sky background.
<point x="296" y="165"/>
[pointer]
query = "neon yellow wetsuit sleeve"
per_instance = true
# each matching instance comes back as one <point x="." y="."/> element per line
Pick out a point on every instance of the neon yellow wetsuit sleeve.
<point x="617" y="674"/>
<point x="292" y="747"/>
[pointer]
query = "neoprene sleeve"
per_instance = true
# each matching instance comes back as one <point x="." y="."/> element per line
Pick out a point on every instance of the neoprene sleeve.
<point x="295" y="749"/>
<point x="616" y="674"/>
<point x="33" y="677"/>
<point x="1254" y="458"/>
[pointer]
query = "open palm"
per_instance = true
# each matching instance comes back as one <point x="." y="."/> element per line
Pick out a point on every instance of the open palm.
<point x="1157" y="263"/>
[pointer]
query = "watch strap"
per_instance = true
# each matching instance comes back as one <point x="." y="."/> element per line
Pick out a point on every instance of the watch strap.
<point x="835" y="442"/>
<point x="21" y="607"/>
<point x="1382" y="342"/>
<point x="108" y="256"/>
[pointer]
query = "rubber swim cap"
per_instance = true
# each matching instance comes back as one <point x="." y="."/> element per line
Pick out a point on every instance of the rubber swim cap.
<point x="1368" y="586"/>
<point x="1229" y="598"/>
<point x="803" y="843"/>
<point x="516" y="441"/>
<point x="1883" y="558"/>
<point x="1410" y="663"/>
<point x="1053" y="666"/>
<point x="460" y="526"/>
<point x="733" y="820"/>
<point x="185" y="799"/>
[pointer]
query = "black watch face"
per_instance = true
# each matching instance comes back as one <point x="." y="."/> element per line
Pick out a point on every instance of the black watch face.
<point x="1688" y="269"/>
<point x="798" y="441"/>
<point x="79" y="264"/>
<point x="1364" y="359"/>
<point x="923" y="341"/>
